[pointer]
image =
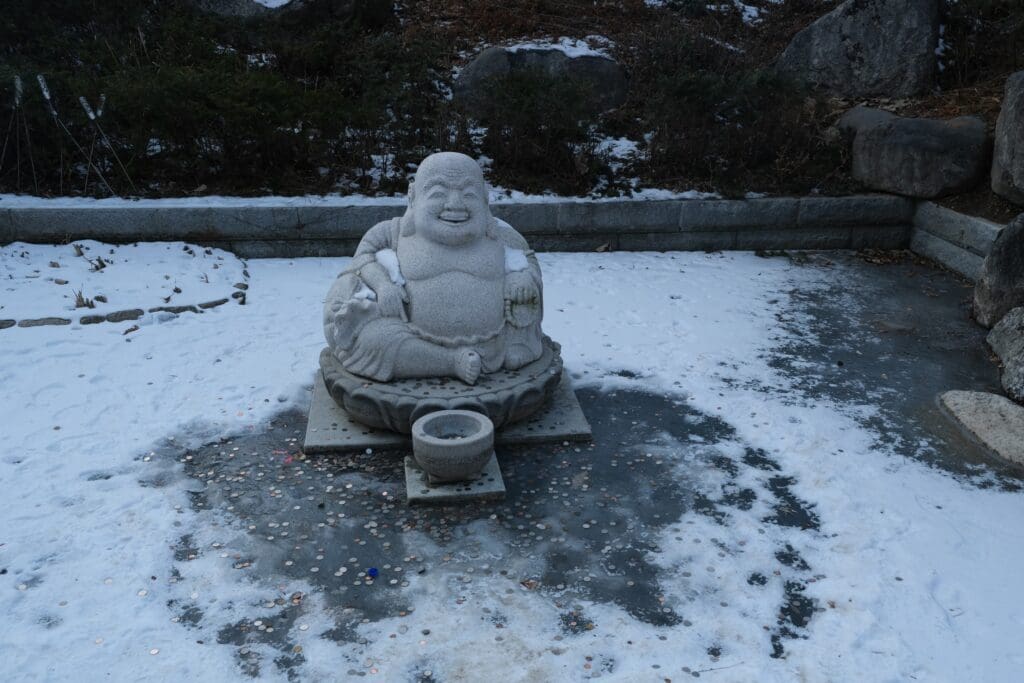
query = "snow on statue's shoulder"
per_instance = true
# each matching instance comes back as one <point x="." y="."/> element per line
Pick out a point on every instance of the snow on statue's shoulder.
<point x="389" y="259"/>
<point x="515" y="260"/>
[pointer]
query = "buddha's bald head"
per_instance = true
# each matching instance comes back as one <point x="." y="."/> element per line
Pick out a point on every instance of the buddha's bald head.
<point x="448" y="199"/>
<point x="450" y="165"/>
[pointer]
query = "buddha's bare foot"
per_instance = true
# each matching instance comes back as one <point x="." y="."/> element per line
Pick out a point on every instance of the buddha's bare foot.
<point x="467" y="365"/>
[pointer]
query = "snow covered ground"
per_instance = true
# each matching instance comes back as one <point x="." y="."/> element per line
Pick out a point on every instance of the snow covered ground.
<point x="92" y="278"/>
<point x="913" y="572"/>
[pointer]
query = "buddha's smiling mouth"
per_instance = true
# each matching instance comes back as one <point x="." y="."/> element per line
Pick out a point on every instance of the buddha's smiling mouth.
<point x="454" y="218"/>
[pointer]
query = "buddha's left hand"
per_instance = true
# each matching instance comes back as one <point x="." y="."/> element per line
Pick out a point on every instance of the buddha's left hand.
<point x="520" y="288"/>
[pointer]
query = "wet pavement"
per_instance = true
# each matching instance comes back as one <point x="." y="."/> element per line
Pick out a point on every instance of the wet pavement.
<point x="578" y="522"/>
<point x="581" y="523"/>
<point x="896" y="333"/>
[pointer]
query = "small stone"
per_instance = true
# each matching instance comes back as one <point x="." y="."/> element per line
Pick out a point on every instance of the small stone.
<point x="38" y="322"/>
<point x="121" y="316"/>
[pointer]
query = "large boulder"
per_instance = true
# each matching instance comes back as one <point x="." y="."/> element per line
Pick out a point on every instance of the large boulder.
<point x="601" y="80"/>
<point x="1000" y="287"/>
<point x="868" y="47"/>
<point x="1007" y="341"/>
<point x="372" y="12"/>
<point x="1008" y="157"/>
<point x="923" y="158"/>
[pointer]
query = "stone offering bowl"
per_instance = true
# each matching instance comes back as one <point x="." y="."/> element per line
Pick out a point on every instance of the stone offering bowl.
<point x="452" y="445"/>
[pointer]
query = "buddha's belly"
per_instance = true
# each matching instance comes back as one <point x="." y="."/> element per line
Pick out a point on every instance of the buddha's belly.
<point x="457" y="304"/>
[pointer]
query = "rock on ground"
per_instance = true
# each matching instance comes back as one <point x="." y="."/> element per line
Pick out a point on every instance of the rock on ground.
<point x="868" y="47"/>
<point x="602" y="78"/>
<point x="1007" y="341"/>
<point x="1001" y="284"/>
<point x="1008" y="157"/>
<point x="923" y="158"/>
<point x="996" y="421"/>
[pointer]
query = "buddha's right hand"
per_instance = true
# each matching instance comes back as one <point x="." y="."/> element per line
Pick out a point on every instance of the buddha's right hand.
<point x="391" y="299"/>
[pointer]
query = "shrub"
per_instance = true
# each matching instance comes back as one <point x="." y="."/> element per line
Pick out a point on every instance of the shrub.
<point x="539" y="133"/>
<point x="984" y="39"/>
<point x="724" y="124"/>
<point x="196" y="100"/>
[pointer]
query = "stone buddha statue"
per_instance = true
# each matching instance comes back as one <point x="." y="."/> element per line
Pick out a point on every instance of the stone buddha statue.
<point x="444" y="291"/>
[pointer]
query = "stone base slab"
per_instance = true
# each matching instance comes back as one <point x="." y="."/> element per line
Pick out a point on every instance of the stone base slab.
<point x="488" y="485"/>
<point x="331" y="430"/>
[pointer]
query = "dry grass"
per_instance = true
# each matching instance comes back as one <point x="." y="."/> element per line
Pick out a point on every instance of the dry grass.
<point x="81" y="301"/>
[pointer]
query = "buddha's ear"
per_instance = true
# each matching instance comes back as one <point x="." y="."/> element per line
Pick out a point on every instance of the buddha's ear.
<point x="493" y="230"/>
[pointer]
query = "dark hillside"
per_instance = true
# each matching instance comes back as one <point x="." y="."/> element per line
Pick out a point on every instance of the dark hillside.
<point x="343" y="96"/>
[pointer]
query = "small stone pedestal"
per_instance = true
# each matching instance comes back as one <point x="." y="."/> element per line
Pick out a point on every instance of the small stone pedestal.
<point x="488" y="485"/>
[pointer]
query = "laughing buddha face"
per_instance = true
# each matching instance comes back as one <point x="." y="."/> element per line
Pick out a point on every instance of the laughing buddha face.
<point x="448" y="199"/>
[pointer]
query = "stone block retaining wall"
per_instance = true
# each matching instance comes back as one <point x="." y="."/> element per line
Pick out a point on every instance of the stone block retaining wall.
<point x="955" y="240"/>
<point x="288" y="230"/>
